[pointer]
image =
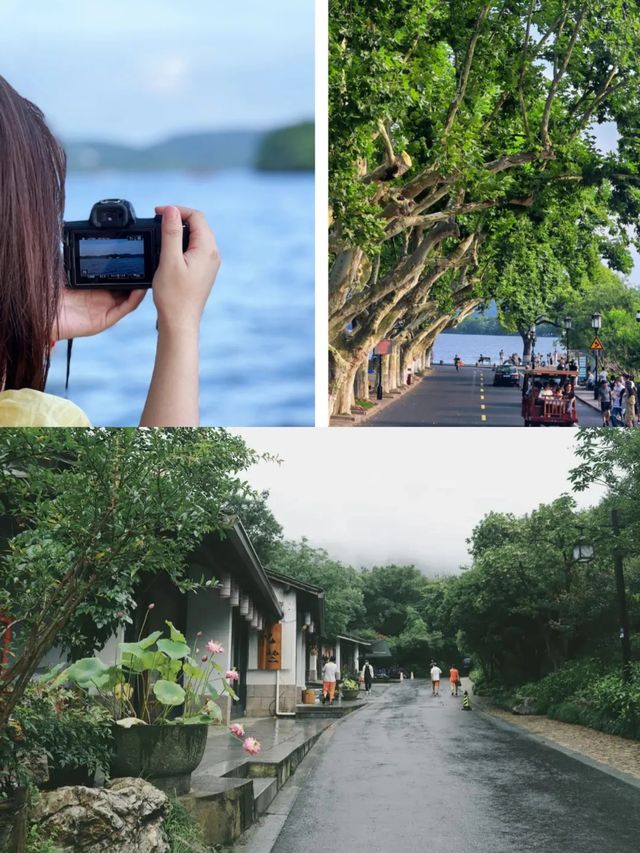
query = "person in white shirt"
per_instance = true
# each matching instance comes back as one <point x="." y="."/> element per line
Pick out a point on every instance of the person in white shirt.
<point x="367" y="676"/>
<point x="329" y="679"/>
<point x="436" y="672"/>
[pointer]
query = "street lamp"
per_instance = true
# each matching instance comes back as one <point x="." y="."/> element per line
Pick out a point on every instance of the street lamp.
<point x="596" y="323"/>
<point x="568" y="322"/>
<point x="583" y="553"/>
<point x="532" y="338"/>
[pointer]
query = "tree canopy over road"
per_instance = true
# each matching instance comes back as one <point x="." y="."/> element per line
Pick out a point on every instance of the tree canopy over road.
<point x="463" y="166"/>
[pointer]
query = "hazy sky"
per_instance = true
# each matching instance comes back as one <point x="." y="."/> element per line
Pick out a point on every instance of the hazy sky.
<point x="139" y="71"/>
<point x="371" y="496"/>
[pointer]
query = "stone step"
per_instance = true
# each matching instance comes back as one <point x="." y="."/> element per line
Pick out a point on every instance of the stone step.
<point x="264" y="792"/>
<point x="328" y="711"/>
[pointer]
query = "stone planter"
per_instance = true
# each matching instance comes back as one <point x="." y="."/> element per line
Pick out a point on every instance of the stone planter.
<point x="350" y="694"/>
<point x="165" y="755"/>
<point x="308" y="697"/>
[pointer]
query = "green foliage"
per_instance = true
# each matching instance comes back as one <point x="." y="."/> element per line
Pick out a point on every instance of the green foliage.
<point x="342" y="584"/>
<point x="558" y="686"/>
<point x="87" y="513"/>
<point x="462" y="158"/>
<point x="68" y="728"/>
<point x="389" y="592"/>
<point x="290" y="149"/>
<point x="183" y="831"/>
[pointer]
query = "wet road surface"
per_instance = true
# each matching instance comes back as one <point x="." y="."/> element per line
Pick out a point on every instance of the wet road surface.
<point x="413" y="773"/>
<point x="447" y="398"/>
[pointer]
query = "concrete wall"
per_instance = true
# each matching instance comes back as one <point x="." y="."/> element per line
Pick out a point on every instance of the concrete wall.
<point x="209" y="613"/>
<point x="261" y="684"/>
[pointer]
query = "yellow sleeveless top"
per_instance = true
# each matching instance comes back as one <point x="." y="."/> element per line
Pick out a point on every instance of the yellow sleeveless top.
<point x="29" y="408"/>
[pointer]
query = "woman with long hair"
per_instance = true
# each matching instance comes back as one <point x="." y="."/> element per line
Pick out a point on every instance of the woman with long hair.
<point x="36" y="309"/>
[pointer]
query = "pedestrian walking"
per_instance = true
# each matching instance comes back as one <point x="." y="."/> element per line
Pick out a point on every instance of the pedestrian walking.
<point x="456" y="361"/>
<point x="436" y="672"/>
<point x="631" y="399"/>
<point x="329" y="679"/>
<point x="604" y="395"/>
<point x="454" y="680"/>
<point x="617" y="394"/>
<point x="367" y="675"/>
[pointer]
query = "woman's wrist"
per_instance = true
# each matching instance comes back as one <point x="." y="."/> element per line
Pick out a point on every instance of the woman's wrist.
<point x="177" y="327"/>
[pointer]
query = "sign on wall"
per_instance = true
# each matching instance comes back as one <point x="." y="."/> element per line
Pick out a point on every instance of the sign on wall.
<point x="270" y="648"/>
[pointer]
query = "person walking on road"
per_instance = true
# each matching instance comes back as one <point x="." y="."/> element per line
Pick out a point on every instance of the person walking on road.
<point x="367" y="675"/>
<point x="436" y="672"/>
<point x="631" y="399"/>
<point x="604" y="395"/>
<point x="329" y="678"/>
<point x="454" y="680"/>
<point x="456" y="361"/>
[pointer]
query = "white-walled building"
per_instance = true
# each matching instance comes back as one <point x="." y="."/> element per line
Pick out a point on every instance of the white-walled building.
<point x="273" y="690"/>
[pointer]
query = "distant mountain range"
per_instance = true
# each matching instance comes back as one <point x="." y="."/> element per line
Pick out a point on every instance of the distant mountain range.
<point x="285" y="149"/>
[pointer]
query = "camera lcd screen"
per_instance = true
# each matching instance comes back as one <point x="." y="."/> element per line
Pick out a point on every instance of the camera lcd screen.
<point x="111" y="259"/>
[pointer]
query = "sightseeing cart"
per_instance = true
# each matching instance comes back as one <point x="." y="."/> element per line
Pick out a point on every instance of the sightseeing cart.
<point x="542" y="405"/>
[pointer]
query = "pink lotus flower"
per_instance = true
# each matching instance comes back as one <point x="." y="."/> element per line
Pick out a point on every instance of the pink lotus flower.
<point x="150" y="607"/>
<point x="237" y="730"/>
<point x="199" y="634"/>
<point x="215" y="648"/>
<point x="251" y="745"/>
<point x="232" y="675"/>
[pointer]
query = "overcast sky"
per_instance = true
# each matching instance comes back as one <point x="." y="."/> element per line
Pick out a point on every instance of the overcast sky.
<point x="371" y="496"/>
<point x="140" y="71"/>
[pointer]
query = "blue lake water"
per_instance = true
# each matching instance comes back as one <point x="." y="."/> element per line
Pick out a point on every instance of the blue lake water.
<point x="471" y="347"/>
<point x="257" y="343"/>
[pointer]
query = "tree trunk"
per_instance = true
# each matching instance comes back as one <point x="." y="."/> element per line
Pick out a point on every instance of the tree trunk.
<point x="526" y="347"/>
<point x="362" y="382"/>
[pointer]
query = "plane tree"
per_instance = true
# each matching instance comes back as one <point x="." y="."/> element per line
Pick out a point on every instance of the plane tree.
<point x="449" y="122"/>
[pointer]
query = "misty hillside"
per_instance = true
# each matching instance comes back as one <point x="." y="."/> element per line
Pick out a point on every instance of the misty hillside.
<point x="285" y="149"/>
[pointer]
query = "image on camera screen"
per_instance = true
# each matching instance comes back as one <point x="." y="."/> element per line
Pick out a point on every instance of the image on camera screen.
<point x="111" y="258"/>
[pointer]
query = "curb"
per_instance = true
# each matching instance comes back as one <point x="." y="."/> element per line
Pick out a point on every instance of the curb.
<point x="620" y="775"/>
<point x="263" y="835"/>
<point x="381" y="405"/>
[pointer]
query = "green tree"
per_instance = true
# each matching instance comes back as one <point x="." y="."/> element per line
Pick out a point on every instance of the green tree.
<point x="449" y="123"/>
<point x="86" y="513"/>
<point x="389" y="592"/>
<point x="341" y="583"/>
<point x="264" y="530"/>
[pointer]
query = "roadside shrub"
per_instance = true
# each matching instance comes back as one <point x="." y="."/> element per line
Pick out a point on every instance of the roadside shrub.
<point x="70" y="729"/>
<point x="557" y="687"/>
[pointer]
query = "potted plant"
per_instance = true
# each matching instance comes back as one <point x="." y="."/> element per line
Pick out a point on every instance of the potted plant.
<point x="349" y="688"/>
<point x="161" y="703"/>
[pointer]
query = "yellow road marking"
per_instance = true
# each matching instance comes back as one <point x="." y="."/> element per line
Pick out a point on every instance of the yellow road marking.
<point x="483" y="417"/>
<point x="482" y="405"/>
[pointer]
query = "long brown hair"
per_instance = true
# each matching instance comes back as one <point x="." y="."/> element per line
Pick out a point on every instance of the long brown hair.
<point x="32" y="173"/>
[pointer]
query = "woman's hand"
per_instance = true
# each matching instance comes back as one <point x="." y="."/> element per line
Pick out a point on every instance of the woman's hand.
<point x="85" y="312"/>
<point x="181" y="287"/>
<point x="182" y="282"/>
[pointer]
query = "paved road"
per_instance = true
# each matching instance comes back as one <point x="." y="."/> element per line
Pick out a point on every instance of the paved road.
<point x="413" y="773"/>
<point x="447" y="398"/>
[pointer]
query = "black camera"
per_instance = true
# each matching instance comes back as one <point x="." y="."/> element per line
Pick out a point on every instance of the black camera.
<point x="113" y="249"/>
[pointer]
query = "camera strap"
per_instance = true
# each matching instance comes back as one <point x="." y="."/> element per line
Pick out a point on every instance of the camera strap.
<point x="69" y="347"/>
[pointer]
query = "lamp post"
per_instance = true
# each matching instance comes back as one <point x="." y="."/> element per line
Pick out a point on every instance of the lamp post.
<point x="596" y="324"/>
<point x="583" y="553"/>
<point x="568" y="322"/>
<point x="532" y="338"/>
